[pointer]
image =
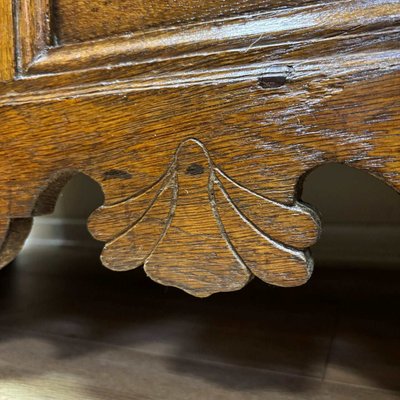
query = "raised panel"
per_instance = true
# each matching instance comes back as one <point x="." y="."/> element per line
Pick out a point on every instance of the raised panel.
<point x="83" y="20"/>
<point x="280" y="33"/>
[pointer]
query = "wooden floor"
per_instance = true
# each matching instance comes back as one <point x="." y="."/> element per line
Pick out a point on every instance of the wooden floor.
<point x="70" y="329"/>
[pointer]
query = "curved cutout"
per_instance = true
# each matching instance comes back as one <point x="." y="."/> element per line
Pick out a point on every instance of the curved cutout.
<point x="201" y="177"/>
<point x="46" y="201"/>
<point x="360" y="214"/>
<point x="79" y="197"/>
<point x="15" y="231"/>
<point x="13" y="239"/>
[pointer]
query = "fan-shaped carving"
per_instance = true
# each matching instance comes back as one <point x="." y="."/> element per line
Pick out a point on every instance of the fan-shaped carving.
<point x="198" y="230"/>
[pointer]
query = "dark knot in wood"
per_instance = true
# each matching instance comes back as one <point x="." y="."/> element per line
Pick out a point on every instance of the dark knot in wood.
<point x="194" y="169"/>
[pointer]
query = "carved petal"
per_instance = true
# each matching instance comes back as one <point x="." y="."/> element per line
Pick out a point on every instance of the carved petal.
<point x="268" y="260"/>
<point x="297" y="226"/>
<point x="194" y="255"/>
<point x="107" y="222"/>
<point x="132" y="248"/>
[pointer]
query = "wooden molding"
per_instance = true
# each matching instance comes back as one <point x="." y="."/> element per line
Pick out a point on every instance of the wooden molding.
<point x="33" y="31"/>
<point x="243" y="33"/>
<point x="7" y="56"/>
<point x="75" y="85"/>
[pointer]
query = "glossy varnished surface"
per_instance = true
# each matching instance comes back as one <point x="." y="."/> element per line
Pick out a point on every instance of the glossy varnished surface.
<point x="7" y="38"/>
<point x="200" y="134"/>
<point x="265" y="152"/>
<point x="70" y="329"/>
<point x="286" y="33"/>
<point x="87" y="20"/>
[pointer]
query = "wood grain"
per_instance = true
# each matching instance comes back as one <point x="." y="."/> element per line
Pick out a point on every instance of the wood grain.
<point x="6" y="41"/>
<point x="221" y="245"/>
<point x="32" y="31"/>
<point x="287" y="27"/>
<point x="201" y="153"/>
<point x="84" y="20"/>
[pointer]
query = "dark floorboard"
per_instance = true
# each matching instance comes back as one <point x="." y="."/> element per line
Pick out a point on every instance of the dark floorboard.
<point x="70" y="329"/>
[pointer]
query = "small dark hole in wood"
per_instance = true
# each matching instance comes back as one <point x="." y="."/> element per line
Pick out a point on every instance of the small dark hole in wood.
<point x="116" y="173"/>
<point x="194" y="169"/>
<point x="267" y="82"/>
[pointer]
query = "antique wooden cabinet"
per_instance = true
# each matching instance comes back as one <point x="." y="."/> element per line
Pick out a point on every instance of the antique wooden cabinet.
<point x="199" y="119"/>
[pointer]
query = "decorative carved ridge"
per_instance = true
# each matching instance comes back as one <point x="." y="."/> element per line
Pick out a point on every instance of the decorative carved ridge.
<point x="38" y="54"/>
<point x="197" y="229"/>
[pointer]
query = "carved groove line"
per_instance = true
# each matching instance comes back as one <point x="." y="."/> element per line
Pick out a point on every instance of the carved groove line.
<point x="214" y="208"/>
<point x="207" y="235"/>
<point x="159" y="192"/>
<point x="170" y="215"/>
<point x="265" y="236"/>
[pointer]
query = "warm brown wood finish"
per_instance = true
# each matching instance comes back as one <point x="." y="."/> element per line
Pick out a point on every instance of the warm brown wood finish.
<point x="33" y="30"/>
<point x="282" y="34"/>
<point x="6" y="41"/>
<point x="200" y="133"/>
<point x="84" y="20"/>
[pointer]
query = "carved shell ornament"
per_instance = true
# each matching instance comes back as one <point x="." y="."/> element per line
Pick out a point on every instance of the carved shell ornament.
<point x="198" y="230"/>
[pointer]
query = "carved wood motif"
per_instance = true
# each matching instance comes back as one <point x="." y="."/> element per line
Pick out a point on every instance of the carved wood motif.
<point x="199" y="134"/>
<point x="224" y="232"/>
